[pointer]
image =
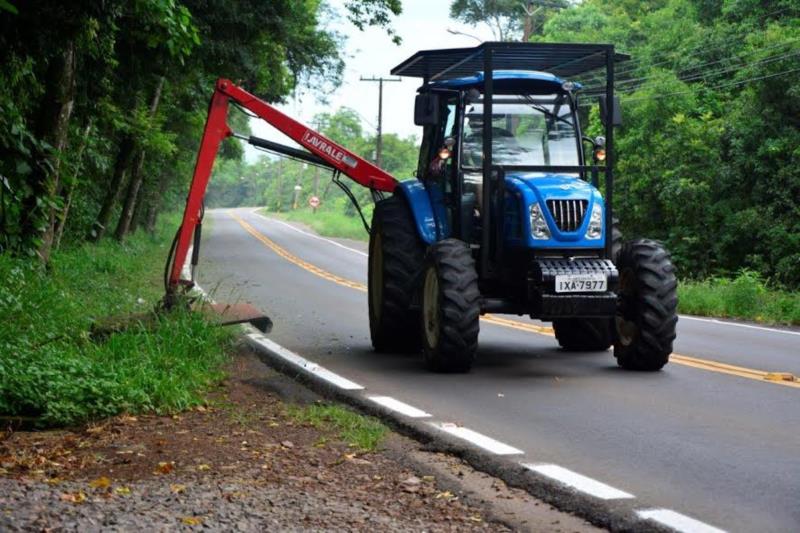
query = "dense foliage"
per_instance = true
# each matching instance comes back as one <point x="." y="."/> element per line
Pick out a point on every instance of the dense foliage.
<point x="104" y="102"/>
<point x="52" y="372"/>
<point x="709" y="153"/>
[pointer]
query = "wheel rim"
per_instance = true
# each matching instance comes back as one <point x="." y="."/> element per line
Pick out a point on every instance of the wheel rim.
<point x="376" y="280"/>
<point x="625" y="321"/>
<point x="430" y="307"/>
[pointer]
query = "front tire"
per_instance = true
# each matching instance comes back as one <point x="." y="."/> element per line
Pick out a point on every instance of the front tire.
<point x="647" y="306"/>
<point x="450" y="307"/>
<point x="396" y="254"/>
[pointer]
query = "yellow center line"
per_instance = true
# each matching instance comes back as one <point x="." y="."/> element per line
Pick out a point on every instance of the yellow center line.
<point x="296" y="260"/>
<point x="777" y="378"/>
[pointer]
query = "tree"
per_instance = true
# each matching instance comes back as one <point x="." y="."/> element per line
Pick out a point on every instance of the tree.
<point x="509" y="20"/>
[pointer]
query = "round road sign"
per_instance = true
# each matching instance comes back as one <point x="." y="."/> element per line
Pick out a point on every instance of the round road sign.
<point x="313" y="202"/>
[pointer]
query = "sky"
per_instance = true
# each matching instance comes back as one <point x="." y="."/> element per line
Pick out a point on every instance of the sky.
<point x="423" y="25"/>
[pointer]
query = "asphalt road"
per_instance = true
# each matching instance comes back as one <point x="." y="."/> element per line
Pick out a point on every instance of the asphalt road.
<point x="718" y="443"/>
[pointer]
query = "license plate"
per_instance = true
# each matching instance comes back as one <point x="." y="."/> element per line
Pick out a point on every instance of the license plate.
<point x="580" y="283"/>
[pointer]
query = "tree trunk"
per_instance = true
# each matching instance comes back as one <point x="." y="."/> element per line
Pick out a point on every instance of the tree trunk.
<point x="136" y="175"/>
<point x="124" y="156"/>
<point x="52" y="126"/>
<point x="61" y="221"/>
<point x="143" y="199"/>
<point x="154" y="205"/>
<point x="527" y="27"/>
<point x="131" y="193"/>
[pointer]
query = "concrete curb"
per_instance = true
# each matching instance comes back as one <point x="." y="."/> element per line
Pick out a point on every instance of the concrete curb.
<point x="615" y="515"/>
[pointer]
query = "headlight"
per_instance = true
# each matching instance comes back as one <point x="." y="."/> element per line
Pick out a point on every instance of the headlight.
<point x="595" y="229"/>
<point x="539" y="229"/>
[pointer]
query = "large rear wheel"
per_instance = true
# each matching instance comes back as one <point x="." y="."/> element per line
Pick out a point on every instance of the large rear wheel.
<point x="395" y="255"/>
<point x="450" y="307"/>
<point x="647" y="306"/>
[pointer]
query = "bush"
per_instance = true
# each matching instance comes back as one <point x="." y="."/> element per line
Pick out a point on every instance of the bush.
<point x="52" y="370"/>
<point x="747" y="296"/>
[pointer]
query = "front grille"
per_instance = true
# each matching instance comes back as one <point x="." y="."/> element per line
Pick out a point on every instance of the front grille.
<point x="568" y="214"/>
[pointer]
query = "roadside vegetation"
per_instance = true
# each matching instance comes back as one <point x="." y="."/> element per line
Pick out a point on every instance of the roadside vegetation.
<point x="330" y="220"/>
<point x="745" y="297"/>
<point x="52" y="372"/>
<point x="104" y="105"/>
<point x="363" y="433"/>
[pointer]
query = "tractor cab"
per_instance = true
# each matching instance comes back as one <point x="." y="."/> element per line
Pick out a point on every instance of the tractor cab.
<point x="534" y="123"/>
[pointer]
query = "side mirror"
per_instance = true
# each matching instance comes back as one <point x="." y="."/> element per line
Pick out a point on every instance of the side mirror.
<point x="426" y="109"/>
<point x="616" y="111"/>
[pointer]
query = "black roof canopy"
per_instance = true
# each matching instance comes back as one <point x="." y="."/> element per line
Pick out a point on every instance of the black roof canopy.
<point x="565" y="60"/>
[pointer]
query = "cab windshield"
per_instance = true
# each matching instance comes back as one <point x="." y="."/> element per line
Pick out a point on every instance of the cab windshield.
<point x="526" y="131"/>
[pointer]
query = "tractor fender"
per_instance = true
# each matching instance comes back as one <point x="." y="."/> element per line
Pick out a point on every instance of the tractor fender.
<point x="420" y="203"/>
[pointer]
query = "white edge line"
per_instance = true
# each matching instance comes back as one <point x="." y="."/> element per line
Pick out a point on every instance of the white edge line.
<point x="748" y="326"/>
<point x="399" y="407"/>
<point x="304" y="364"/>
<point x="298" y="230"/>
<point x="578" y="482"/>
<point x="677" y="521"/>
<point x="478" y="439"/>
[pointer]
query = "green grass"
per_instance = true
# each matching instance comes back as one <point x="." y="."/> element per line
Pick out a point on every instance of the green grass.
<point x="357" y="431"/>
<point x="51" y="370"/>
<point x="329" y="220"/>
<point x="746" y="297"/>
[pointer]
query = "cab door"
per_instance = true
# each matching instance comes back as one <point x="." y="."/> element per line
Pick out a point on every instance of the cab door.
<point x="437" y="167"/>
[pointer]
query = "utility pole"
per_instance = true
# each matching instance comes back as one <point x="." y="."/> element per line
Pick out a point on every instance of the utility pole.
<point x="280" y="186"/>
<point x="379" y="139"/>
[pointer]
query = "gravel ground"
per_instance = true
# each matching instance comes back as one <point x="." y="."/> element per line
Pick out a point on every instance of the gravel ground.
<point x="242" y="463"/>
<point x="224" y="504"/>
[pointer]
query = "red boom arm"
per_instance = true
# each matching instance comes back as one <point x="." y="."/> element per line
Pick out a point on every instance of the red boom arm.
<point x="357" y="168"/>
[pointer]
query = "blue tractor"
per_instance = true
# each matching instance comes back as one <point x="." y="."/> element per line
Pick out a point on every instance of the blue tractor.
<point x="505" y="214"/>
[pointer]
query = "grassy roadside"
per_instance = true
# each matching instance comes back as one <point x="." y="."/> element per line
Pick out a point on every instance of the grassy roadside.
<point x="357" y="431"/>
<point x="329" y="221"/>
<point x="745" y="297"/>
<point x="53" y="372"/>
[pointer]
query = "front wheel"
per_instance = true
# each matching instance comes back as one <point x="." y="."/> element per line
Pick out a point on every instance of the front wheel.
<point x="647" y="306"/>
<point x="450" y="307"/>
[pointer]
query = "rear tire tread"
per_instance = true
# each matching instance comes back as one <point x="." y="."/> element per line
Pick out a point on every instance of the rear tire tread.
<point x="459" y="305"/>
<point x="403" y="256"/>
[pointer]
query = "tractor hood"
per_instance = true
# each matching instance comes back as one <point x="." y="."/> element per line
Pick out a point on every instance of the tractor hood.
<point x="553" y="186"/>
<point x="566" y="203"/>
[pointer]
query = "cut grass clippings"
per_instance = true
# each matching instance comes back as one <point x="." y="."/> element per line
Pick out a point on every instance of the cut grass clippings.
<point x="54" y="373"/>
<point x="357" y="431"/>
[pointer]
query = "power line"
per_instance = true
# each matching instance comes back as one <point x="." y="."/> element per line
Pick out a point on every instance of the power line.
<point x="706" y="75"/>
<point x="702" y="65"/>
<point x="675" y="55"/>
<point x="719" y="86"/>
<point x="632" y="64"/>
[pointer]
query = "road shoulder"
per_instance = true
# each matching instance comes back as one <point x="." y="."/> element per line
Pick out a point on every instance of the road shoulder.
<point x="245" y="462"/>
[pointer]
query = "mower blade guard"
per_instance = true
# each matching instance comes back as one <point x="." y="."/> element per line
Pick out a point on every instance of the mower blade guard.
<point x="223" y="314"/>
